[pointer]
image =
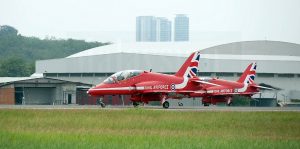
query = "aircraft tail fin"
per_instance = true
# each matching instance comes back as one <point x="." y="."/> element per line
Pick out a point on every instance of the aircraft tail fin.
<point x="190" y="67"/>
<point x="249" y="75"/>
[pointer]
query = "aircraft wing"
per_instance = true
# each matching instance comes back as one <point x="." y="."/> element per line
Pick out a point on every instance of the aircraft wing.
<point x="205" y="82"/>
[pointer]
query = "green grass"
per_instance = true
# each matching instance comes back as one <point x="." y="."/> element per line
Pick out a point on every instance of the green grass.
<point x="142" y="128"/>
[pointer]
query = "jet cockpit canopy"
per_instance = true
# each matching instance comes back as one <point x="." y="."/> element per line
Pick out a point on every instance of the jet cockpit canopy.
<point x="122" y="75"/>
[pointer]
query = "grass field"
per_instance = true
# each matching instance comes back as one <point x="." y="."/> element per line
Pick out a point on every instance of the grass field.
<point x="142" y="128"/>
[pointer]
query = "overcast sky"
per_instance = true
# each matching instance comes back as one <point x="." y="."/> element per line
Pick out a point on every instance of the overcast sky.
<point x="114" y="20"/>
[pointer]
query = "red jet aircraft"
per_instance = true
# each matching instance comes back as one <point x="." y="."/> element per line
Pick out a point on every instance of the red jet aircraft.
<point x="145" y="86"/>
<point x="216" y="90"/>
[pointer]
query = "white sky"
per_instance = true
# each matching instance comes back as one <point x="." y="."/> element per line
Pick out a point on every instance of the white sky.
<point x="114" y="20"/>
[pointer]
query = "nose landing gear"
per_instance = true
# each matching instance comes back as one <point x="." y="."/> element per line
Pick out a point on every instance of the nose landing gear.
<point x="101" y="103"/>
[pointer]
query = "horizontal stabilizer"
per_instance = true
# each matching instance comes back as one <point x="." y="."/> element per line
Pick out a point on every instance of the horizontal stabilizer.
<point x="264" y="87"/>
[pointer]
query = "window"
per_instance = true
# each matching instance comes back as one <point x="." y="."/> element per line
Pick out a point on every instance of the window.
<point x="286" y="75"/>
<point x="50" y="74"/>
<point x="100" y="75"/>
<point x="75" y="74"/>
<point x="204" y="73"/>
<point x="224" y="74"/>
<point x="87" y="75"/>
<point x="63" y="74"/>
<point x="265" y="75"/>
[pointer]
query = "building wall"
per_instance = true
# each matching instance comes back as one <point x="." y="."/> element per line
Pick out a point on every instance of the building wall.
<point x="69" y="89"/>
<point x="61" y="94"/>
<point x="295" y="94"/>
<point x="111" y="63"/>
<point x="258" y="47"/>
<point x="38" y="96"/>
<point x="7" y="95"/>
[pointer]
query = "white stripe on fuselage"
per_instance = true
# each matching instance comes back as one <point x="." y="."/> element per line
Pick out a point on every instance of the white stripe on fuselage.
<point x="205" y="82"/>
<point x="140" y="88"/>
<point x="244" y="88"/>
<point x="183" y="84"/>
<point x="115" y="89"/>
<point x="185" y="78"/>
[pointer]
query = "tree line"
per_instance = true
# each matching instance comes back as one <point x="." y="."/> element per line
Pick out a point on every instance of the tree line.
<point x="18" y="53"/>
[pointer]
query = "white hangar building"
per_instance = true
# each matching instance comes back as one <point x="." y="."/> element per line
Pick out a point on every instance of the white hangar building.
<point x="278" y="62"/>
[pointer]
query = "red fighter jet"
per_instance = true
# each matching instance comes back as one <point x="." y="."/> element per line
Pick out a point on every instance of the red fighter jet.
<point x="214" y="90"/>
<point x="145" y="86"/>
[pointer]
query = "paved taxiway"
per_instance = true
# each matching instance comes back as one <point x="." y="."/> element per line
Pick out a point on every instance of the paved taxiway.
<point x="200" y="108"/>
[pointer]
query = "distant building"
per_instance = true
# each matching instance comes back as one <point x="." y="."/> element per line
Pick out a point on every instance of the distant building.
<point x="145" y="28"/>
<point x="181" y="32"/>
<point x="163" y="29"/>
<point x="42" y="91"/>
<point x="150" y="28"/>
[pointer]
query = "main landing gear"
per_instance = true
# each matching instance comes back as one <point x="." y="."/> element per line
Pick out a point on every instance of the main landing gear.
<point x="180" y="104"/>
<point x="229" y="101"/>
<point x="229" y="104"/>
<point x="135" y="104"/>
<point x="205" y="104"/>
<point x="166" y="104"/>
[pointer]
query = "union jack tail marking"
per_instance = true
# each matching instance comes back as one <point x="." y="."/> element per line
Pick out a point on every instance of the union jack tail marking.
<point x="249" y="75"/>
<point x="190" y="67"/>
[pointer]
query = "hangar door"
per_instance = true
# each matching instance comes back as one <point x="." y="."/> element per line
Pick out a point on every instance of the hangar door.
<point x="41" y="96"/>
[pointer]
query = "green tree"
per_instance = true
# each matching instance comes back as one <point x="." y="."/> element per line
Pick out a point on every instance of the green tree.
<point x="14" y="67"/>
<point x="26" y="50"/>
<point x="8" y="30"/>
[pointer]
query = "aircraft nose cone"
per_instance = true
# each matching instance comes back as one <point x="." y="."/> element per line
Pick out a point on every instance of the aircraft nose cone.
<point x="90" y="91"/>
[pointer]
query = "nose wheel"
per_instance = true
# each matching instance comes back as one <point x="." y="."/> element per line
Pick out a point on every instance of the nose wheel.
<point x="100" y="102"/>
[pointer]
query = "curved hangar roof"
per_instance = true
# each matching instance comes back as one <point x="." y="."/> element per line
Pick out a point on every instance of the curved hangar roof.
<point x="271" y="56"/>
<point x="183" y="49"/>
<point x="151" y="48"/>
<point x="261" y="47"/>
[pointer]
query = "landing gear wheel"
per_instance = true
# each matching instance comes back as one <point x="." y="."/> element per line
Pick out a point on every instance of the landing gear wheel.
<point x="135" y="104"/>
<point x="166" y="104"/>
<point x="102" y="104"/>
<point x="180" y="104"/>
<point x="229" y="104"/>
